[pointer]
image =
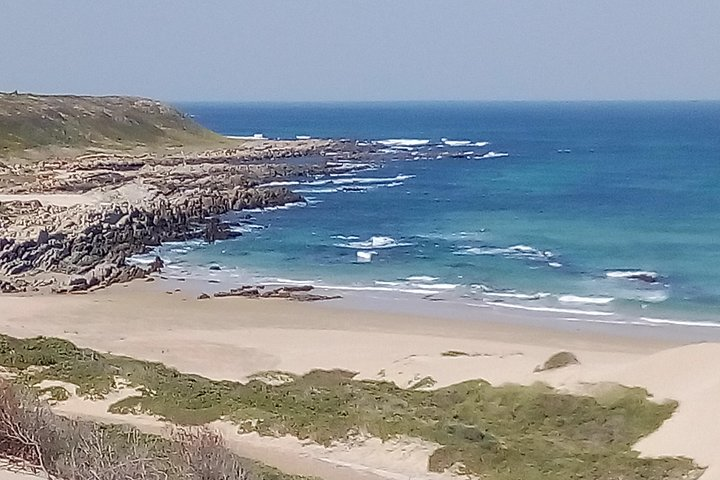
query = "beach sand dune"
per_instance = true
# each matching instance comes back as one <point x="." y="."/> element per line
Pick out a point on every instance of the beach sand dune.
<point x="233" y="338"/>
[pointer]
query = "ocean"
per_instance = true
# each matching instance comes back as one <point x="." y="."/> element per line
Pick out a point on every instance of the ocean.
<point x="591" y="211"/>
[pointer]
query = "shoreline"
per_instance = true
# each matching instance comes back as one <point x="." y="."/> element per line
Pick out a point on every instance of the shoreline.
<point x="426" y="306"/>
<point x="232" y="338"/>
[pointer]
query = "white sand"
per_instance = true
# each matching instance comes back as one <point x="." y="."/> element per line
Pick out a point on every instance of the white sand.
<point x="57" y="199"/>
<point x="232" y="338"/>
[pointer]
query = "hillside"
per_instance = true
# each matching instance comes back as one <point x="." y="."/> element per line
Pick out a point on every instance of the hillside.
<point x="41" y="122"/>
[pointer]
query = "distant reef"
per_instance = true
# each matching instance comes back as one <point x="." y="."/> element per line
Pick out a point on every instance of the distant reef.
<point x="31" y="122"/>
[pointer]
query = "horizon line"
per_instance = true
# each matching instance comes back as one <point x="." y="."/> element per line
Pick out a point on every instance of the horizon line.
<point x="388" y="101"/>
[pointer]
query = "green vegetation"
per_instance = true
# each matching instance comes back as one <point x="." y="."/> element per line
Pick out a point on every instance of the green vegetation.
<point x="455" y="353"/>
<point x="558" y="360"/>
<point x="502" y="433"/>
<point x="31" y="435"/>
<point x="35" y="121"/>
<point x="56" y="394"/>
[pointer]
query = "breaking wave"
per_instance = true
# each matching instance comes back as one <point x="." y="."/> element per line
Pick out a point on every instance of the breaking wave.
<point x="516" y="251"/>
<point x="373" y="243"/>
<point x="403" y="142"/>
<point x="492" y="154"/>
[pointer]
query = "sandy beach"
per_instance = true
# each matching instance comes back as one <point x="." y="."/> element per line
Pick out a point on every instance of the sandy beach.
<point x="233" y="338"/>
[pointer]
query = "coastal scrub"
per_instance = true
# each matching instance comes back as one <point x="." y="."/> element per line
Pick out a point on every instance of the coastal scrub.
<point x="503" y="433"/>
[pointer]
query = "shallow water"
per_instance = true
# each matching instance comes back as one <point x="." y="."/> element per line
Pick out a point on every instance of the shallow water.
<point x="586" y="193"/>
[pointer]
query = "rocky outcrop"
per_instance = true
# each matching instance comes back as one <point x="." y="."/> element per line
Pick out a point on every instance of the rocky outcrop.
<point x="297" y="293"/>
<point x="114" y="207"/>
<point x="95" y="256"/>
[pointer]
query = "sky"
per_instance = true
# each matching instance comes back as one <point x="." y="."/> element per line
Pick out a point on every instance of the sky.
<point x="364" y="50"/>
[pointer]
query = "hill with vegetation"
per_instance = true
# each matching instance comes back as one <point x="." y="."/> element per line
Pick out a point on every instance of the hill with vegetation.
<point x="32" y="122"/>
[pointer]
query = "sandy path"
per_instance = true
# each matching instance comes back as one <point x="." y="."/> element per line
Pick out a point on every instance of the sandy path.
<point x="232" y="338"/>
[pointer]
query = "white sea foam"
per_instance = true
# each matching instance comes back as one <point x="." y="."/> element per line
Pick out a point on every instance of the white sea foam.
<point x="288" y="281"/>
<point x="585" y="300"/>
<point x="515" y="251"/>
<point x="348" y="181"/>
<point x="685" y="323"/>
<point x="245" y="228"/>
<point x="403" y="142"/>
<point x="492" y="154"/>
<point x="605" y="321"/>
<point x="287" y="206"/>
<point x="303" y="137"/>
<point x="421" y="278"/>
<point x="364" y="256"/>
<point x="315" y="190"/>
<point x="555" y="264"/>
<point x="481" y="144"/>
<point x="416" y="291"/>
<point x="592" y="313"/>
<point x="370" y="180"/>
<point x="279" y="184"/>
<point x="456" y="143"/>
<point x="373" y="243"/>
<point x="649" y="296"/>
<point x="436" y="286"/>
<point x="387" y="284"/>
<point x="142" y="259"/>
<point x="345" y="237"/>
<point x="519" y="296"/>
<point x="315" y="183"/>
<point x="256" y="136"/>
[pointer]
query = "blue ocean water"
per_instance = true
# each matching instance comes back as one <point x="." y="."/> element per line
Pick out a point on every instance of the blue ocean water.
<point x="589" y="196"/>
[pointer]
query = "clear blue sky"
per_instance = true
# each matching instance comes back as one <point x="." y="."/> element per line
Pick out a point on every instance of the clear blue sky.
<point x="364" y="50"/>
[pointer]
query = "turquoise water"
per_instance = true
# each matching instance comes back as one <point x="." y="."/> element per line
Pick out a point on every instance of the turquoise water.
<point x="587" y="193"/>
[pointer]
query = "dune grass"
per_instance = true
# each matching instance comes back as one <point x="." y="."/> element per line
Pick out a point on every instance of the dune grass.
<point x="558" y="360"/>
<point x="503" y="433"/>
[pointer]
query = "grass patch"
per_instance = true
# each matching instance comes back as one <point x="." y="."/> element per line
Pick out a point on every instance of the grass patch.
<point x="455" y="353"/>
<point x="56" y="394"/>
<point x="558" y="360"/>
<point x="503" y="433"/>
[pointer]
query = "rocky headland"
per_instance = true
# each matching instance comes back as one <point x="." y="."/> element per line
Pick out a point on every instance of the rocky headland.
<point x="68" y="224"/>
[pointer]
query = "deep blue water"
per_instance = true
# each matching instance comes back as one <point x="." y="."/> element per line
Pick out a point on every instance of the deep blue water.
<point x="588" y="189"/>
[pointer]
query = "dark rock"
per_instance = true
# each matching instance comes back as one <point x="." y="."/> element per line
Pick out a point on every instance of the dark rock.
<point x="310" y="297"/>
<point x="644" y="277"/>
<point x="203" y="296"/>
<point x="299" y="288"/>
<point x="156" y="265"/>
<point x="77" y="281"/>
<point x="43" y="237"/>
<point x="7" y="287"/>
